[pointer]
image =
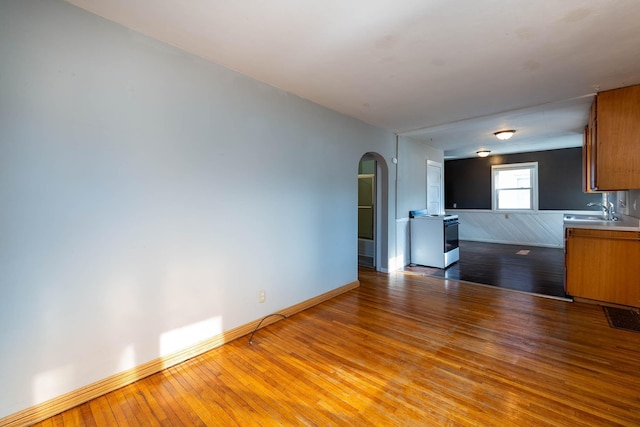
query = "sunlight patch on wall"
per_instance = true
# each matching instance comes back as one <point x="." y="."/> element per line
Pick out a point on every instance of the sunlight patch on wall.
<point x="181" y="338"/>
<point x="53" y="383"/>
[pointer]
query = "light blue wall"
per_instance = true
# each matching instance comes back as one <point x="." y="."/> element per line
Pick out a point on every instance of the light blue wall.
<point x="147" y="195"/>
<point x="412" y="174"/>
<point x="411" y="189"/>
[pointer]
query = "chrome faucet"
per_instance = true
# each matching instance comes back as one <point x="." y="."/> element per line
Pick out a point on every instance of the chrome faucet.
<point x="607" y="209"/>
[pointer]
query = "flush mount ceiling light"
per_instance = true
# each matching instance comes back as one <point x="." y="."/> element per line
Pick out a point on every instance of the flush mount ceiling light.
<point x="483" y="153"/>
<point x="504" y="134"/>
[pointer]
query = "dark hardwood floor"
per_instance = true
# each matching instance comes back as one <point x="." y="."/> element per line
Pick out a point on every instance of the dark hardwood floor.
<point x="531" y="269"/>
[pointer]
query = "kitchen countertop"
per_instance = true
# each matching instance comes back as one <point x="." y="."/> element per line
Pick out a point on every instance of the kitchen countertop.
<point x="626" y="223"/>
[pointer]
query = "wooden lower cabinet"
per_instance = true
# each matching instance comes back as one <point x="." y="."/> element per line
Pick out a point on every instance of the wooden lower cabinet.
<point x="603" y="265"/>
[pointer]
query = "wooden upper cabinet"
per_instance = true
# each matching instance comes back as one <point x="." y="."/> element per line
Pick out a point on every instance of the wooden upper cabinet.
<point x="588" y="160"/>
<point x="612" y="141"/>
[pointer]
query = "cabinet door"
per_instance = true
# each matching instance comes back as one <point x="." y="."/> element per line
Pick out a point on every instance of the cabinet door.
<point x="615" y="142"/>
<point x="589" y="152"/>
<point x="603" y="265"/>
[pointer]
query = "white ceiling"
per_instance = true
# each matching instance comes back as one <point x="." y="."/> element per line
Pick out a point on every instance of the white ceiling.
<point x="447" y="72"/>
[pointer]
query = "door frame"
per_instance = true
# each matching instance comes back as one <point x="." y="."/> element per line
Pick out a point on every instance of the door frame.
<point x="381" y="214"/>
<point x="431" y="163"/>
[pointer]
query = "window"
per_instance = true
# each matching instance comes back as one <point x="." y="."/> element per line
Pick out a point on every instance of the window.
<point x="515" y="186"/>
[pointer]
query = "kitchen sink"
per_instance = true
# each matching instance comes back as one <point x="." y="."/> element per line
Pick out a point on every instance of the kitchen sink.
<point x="593" y="218"/>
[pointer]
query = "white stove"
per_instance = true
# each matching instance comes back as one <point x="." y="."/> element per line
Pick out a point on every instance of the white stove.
<point x="434" y="239"/>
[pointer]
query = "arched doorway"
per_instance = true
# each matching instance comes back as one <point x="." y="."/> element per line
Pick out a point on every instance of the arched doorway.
<point x="372" y="212"/>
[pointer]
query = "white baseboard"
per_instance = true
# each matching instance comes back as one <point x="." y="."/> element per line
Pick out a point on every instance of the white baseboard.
<point x="77" y="397"/>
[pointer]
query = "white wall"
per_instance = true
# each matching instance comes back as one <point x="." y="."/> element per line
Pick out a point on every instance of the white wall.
<point x="147" y="195"/>
<point x="412" y="174"/>
<point x="541" y="228"/>
<point x="412" y="188"/>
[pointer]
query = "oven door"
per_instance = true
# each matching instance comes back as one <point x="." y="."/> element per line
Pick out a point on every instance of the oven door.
<point x="451" y="235"/>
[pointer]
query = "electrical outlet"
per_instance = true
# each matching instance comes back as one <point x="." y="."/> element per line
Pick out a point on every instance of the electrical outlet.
<point x="262" y="296"/>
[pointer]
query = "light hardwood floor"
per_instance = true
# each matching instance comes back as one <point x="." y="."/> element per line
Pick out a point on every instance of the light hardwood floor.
<point x="400" y="350"/>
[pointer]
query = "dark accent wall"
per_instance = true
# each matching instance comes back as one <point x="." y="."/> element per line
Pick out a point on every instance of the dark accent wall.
<point x="467" y="182"/>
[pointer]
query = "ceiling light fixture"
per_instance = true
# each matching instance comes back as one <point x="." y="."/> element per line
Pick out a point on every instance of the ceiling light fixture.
<point x="483" y="153"/>
<point x="503" y="135"/>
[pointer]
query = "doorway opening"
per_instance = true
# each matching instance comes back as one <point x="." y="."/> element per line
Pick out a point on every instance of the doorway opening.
<point x="373" y="213"/>
<point x="367" y="212"/>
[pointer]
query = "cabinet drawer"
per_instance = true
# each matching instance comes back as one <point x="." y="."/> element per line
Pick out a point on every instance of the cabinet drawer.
<point x="603" y="234"/>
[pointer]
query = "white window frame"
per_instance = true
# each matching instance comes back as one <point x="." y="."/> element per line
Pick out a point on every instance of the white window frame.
<point x="533" y="167"/>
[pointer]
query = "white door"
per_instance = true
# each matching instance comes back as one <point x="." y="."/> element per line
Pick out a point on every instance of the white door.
<point x="434" y="188"/>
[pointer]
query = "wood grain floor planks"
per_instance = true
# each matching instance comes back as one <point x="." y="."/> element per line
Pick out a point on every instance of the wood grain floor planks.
<point x="400" y="350"/>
